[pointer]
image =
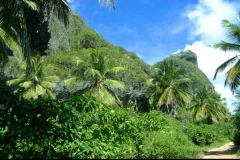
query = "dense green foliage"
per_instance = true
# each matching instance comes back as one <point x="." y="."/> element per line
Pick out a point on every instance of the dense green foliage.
<point x="82" y="124"/>
<point x="191" y="71"/>
<point x="168" y="87"/>
<point x="233" y="76"/>
<point x="188" y="55"/>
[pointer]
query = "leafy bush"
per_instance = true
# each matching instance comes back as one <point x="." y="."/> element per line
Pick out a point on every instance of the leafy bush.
<point x="236" y="138"/>
<point x="91" y="39"/>
<point x="202" y="134"/>
<point x="33" y="129"/>
<point x="168" y="144"/>
<point x="225" y="130"/>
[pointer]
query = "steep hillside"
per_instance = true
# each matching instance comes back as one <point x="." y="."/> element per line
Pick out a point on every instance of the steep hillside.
<point x="78" y="40"/>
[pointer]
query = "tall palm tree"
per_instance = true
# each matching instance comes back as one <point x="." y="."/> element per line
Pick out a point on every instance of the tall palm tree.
<point x="15" y="28"/>
<point x="36" y="83"/>
<point x="233" y="74"/>
<point x="97" y="81"/>
<point x="207" y="103"/>
<point x="12" y="25"/>
<point x="168" y="87"/>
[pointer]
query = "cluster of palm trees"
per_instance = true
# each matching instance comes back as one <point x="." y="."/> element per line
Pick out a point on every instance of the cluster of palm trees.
<point x="167" y="88"/>
<point x="16" y="38"/>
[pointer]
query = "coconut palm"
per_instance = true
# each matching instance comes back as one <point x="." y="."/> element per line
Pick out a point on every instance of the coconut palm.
<point x="12" y="25"/>
<point x="36" y="83"/>
<point x="96" y="81"/>
<point x="233" y="74"/>
<point x="15" y="28"/>
<point x="168" y="87"/>
<point x="207" y="103"/>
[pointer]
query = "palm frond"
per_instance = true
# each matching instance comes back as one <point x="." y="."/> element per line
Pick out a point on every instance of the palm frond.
<point x="233" y="30"/>
<point x="32" y="5"/>
<point x="114" y="84"/>
<point x="181" y="81"/>
<point x="225" y="46"/>
<point x="12" y="44"/>
<point x="224" y="65"/>
<point x="51" y="78"/>
<point x="47" y="84"/>
<point x="50" y="94"/>
<point x="40" y="90"/>
<point x="185" y="96"/>
<point x="163" y="98"/>
<point x="15" y="81"/>
<point x="233" y="77"/>
<point x="34" y="92"/>
<point x="116" y="69"/>
<point x="105" y="97"/>
<point x="26" y="84"/>
<point x="70" y="81"/>
<point x="92" y="72"/>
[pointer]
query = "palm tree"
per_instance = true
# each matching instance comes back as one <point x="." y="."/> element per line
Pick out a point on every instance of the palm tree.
<point x="36" y="83"/>
<point x="12" y="25"/>
<point x="233" y="74"/>
<point x="207" y="103"/>
<point x="97" y="83"/>
<point x="15" y="28"/>
<point x="168" y="87"/>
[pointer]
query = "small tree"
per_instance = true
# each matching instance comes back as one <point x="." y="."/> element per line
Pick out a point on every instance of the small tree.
<point x="96" y="81"/>
<point x="167" y="87"/>
<point x="36" y="83"/>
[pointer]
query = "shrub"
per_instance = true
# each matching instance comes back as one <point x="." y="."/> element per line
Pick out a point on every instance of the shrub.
<point x="168" y="144"/>
<point x="236" y="138"/>
<point x="202" y="134"/>
<point x="33" y="129"/>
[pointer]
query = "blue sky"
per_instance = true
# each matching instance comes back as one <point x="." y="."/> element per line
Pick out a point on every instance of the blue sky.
<point x="155" y="29"/>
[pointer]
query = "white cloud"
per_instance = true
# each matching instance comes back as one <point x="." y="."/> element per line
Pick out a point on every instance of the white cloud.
<point x="206" y="28"/>
<point x="205" y="19"/>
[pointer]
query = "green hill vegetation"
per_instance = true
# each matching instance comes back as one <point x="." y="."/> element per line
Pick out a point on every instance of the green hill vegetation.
<point x="76" y="95"/>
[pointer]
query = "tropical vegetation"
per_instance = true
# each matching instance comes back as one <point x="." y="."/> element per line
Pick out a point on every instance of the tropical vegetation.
<point x="232" y="79"/>
<point x="78" y="96"/>
<point x="95" y="79"/>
